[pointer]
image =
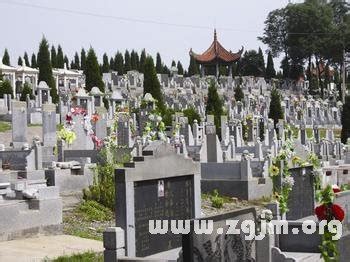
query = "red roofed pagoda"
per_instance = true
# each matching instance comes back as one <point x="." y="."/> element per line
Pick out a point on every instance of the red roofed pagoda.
<point x="216" y="55"/>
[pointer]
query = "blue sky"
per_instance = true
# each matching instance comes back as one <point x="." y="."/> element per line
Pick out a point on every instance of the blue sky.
<point x="238" y="23"/>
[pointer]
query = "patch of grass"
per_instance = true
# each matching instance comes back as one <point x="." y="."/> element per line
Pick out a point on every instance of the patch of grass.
<point x="216" y="200"/>
<point x="4" y="126"/>
<point x="34" y="125"/>
<point x="92" y="211"/>
<point x="83" y="257"/>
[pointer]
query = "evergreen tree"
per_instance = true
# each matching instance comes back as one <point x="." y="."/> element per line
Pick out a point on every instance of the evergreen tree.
<point x="82" y="59"/>
<point x="5" y="88"/>
<point x="127" y="62"/>
<point x="6" y="58"/>
<point x="192" y="115"/>
<point x="275" y="112"/>
<point x="142" y="61"/>
<point x="285" y="66"/>
<point x="159" y="64"/>
<point x="53" y="57"/>
<point x="92" y="72"/>
<point x="151" y="83"/>
<point x="239" y="95"/>
<point x="105" y="65"/>
<point x="33" y="63"/>
<point x="270" y="68"/>
<point x="345" y="121"/>
<point x="214" y="106"/>
<point x="26" y="90"/>
<point x="45" y="69"/>
<point x="180" y="69"/>
<point x="20" y="61"/>
<point x="60" y="57"/>
<point x="111" y="63"/>
<point x="134" y="60"/>
<point x="193" y="68"/>
<point x="76" y="63"/>
<point x="173" y="63"/>
<point x="26" y="59"/>
<point x="119" y="63"/>
<point x="166" y="70"/>
<point x="261" y="63"/>
<point x="66" y="61"/>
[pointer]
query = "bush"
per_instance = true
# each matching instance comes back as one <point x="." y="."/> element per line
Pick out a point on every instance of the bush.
<point x="216" y="200"/>
<point x="93" y="211"/>
<point x="5" y="88"/>
<point x="86" y="257"/>
<point x="26" y="90"/>
<point x="192" y="115"/>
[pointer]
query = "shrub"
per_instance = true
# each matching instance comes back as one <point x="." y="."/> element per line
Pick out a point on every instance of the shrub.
<point x="216" y="200"/>
<point x="93" y="211"/>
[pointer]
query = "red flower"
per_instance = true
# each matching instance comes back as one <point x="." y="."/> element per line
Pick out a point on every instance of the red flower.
<point x="337" y="212"/>
<point x="336" y="189"/>
<point x="69" y="119"/>
<point x="95" y="118"/>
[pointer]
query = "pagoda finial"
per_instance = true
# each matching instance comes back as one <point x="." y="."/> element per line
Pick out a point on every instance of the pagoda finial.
<point x="215" y="37"/>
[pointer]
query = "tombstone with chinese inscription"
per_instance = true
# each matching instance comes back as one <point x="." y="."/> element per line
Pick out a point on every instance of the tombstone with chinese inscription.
<point x="153" y="187"/>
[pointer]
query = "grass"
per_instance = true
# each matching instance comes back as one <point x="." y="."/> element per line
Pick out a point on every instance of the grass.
<point x="88" y="220"/>
<point x="34" y="125"/>
<point x="4" y="126"/>
<point x="83" y="257"/>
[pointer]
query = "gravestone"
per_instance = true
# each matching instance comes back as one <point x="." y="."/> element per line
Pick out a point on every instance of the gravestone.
<point x="19" y="123"/>
<point x="100" y="125"/>
<point x="220" y="245"/>
<point x="49" y="124"/>
<point x="153" y="187"/>
<point x="301" y="201"/>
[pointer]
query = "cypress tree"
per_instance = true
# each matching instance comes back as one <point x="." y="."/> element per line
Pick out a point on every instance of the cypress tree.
<point x="119" y="63"/>
<point x="151" y="83"/>
<point x="53" y="57"/>
<point x="60" y="57"/>
<point x="270" y="68"/>
<point x="127" y="62"/>
<point x="180" y="69"/>
<point x="45" y="69"/>
<point x="76" y="63"/>
<point x="33" y="62"/>
<point x="142" y="61"/>
<point x="165" y="70"/>
<point x="134" y="60"/>
<point x="92" y="72"/>
<point x="6" y="58"/>
<point x="20" y="61"/>
<point x="111" y="63"/>
<point x="261" y="62"/>
<point x="26" y="59"/>
<point x="173" y="63"/>
<point x="66" y="61"/>
<point x="26" y="90"/>
<point x="159" y="64"/>
<point x="239" y="95"/>
<point x="345" y="121"/>
<point x="214" y="106"/>
<point x="193" y="68"/>
<point x="82" y="59"/>
<point x="275" y="112"/>
<point x="105" y="65"/>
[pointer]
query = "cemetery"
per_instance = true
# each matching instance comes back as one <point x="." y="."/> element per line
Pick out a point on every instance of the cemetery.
<point x="131" y="160"/>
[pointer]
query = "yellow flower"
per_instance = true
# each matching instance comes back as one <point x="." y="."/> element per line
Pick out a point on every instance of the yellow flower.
<point x="274" y="170"/>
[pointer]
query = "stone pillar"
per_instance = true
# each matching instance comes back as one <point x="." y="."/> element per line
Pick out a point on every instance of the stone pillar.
<point x="49" y="124"/>
<point x="113" y="243"/>
<point x="19" y="123"/>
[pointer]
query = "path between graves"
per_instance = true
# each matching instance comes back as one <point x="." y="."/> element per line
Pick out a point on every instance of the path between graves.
<point x="46" y="247"/>
<point x="32" y="131"/>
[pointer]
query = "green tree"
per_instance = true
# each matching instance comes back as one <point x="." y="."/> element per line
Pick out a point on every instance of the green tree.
<point x="26" y="59"/>
<point x="276" y="111"/>
<point x="173" y="63"/>
<point x="6" y="58"/>
<point x="250" y="64"/>
<point x="111" y="63"/>
<point x="345" y="121"/>
<point x="142" y="61"/>
<point x="66" y="61"/>
<point x="26" y="90"/>
<point x="261" y="62"/>
<point x="105" y="65"/>
<point x="180" y="69"/>
<point x="119" y="63"/>
<point x="53" y="57"/>
<point x="239" y="95"/>
<point x="20" y="61"/>
<point x="45" y="69"/>
<point x="76" y="63"/>
<point x="193" y="68"/>
<point x="134" y="60"/>
<point x="159" y="64"/>
<point x="214" y="106"/>
<point x="127" y="61"/>
<point x="82" y="59"/>
<point x="192" y="115"/>
<point x="92" y="72"/>
<point x="151" y="83"/>
<point x="270" y="68"/>
<point x="33" y="63"/>
<point x="60" y="57"/>
<point x="5" y="88"/>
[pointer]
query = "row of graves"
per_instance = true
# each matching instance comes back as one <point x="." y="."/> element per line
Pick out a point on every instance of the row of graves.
<point x="171" y="167"/>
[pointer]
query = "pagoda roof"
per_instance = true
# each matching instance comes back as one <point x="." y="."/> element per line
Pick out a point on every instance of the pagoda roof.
<point x="216" y="52"/>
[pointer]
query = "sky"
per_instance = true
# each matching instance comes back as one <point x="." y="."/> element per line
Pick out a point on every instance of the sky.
<point x="168" y="27"/>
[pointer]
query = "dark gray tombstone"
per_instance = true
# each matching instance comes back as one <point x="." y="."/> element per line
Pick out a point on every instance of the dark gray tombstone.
<point x="219" y="246"/>
<point x="301" y="201"/>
